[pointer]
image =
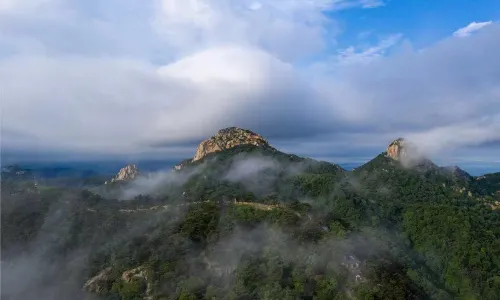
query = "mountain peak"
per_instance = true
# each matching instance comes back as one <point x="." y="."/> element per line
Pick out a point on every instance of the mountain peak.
<point x="228" y="138"/>
<point x="408" y="155"/>
<point x="458" y="172"/>
<point x="128" y="172"/>
<point x="400" y="149"/>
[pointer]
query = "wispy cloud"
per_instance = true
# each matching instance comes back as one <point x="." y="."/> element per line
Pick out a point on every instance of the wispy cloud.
<point x="365" y="4"/>
<point x="351" y="55"/>
<point x="471" y="28"/>
<point x="372" y="3"/>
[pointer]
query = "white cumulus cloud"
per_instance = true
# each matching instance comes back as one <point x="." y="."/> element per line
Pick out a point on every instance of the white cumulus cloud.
<point x="274" y="25"/>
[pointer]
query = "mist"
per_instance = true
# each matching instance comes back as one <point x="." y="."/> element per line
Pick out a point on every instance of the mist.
<point x="49" y="268"/>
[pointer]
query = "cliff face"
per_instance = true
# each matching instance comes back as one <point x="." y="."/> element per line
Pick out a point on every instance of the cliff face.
<point x="128" y="172"/>
<point x="409" y="155"/>
<point x="228" y="138"/>
<point x="399" y="149"/>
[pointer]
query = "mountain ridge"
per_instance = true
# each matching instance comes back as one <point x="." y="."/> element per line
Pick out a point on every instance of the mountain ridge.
<point x="250" y="222"/>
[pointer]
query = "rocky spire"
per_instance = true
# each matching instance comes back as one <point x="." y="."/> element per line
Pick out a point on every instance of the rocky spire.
<point x="409" y="155"/>
<point x="226" y="139"/>
<point x="128" y="172"/>
<point x="400" y="149"/>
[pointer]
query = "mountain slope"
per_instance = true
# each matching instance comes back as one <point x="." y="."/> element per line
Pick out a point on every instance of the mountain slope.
<point x="251" y="222"/>
<point x="444" y="217"/>
<point x="488" y="184"/>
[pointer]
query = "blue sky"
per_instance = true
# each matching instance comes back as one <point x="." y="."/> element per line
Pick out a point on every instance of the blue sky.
<point x="330" y="79"/>
<point x="423" y="22"/>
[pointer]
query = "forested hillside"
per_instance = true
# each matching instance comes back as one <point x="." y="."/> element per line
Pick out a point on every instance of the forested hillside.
<point x="251" y="222"/>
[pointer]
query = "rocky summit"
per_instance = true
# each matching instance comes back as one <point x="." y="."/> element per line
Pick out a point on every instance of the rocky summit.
<point x="409" y="155"/>
<point x="128" y="172"/>
<point x="400" y="149"/>
<point x="228" y="138"/>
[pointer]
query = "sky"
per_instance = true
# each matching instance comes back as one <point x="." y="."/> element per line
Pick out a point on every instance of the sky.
<point x="336" y="80"/>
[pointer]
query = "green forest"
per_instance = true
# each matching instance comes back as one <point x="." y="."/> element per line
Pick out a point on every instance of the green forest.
<point x="255" y="223"/>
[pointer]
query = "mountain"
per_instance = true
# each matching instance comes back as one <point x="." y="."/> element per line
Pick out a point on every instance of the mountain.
<point x="225" y="139"/>
<point x="228" y="138"/>
<point x="408" y="155"/>
<point x="16" y="172"/>
<point x="400" y="149"/>
<point x="458" y="173"/>
<point x="488" y="184"/>
<point x="60" y="176"/>
<point x="129" y="172"/>
<point x="243" y="220"/>
<point x="17" y="180"/>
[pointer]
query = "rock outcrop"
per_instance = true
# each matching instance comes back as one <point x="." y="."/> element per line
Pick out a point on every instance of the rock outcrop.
<point x="409" y="155"/>
<point x="181" y="165"/>
<point x="128" y="172"/>
<point x="400" y="149"/>
<point x="100" y="283"/>
<point x="140" y="273"/>
<point x="226" y="139"/>
<point x="136" y="273"/>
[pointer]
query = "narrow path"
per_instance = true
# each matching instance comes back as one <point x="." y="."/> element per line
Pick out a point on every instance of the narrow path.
<point x="260" y="206"/>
